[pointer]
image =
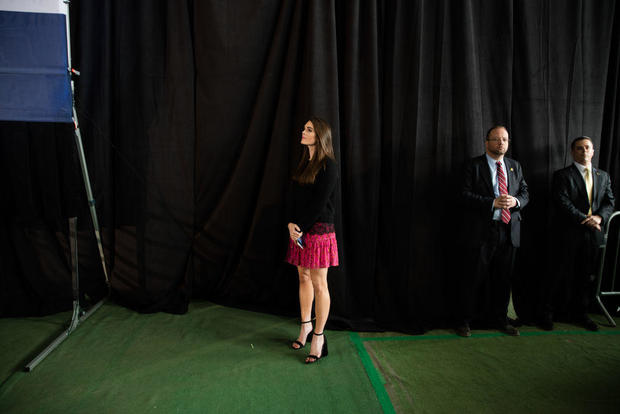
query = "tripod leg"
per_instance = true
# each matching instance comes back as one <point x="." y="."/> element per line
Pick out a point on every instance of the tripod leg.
<point x="75" y="319"/>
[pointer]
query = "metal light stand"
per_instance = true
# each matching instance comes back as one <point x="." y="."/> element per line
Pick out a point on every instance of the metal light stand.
<point x="89" y="192"/>
<point x="79" y="314"/>
<point x="601" y="266"/>
<point x="80" y="148"/>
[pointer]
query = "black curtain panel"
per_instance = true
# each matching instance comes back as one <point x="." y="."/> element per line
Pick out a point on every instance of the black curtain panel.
<point x="191" y="113"/>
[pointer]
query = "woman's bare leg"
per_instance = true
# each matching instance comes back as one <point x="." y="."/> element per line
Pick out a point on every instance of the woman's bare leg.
<point x="306" y="296"/>
<point x="321" y="307"/>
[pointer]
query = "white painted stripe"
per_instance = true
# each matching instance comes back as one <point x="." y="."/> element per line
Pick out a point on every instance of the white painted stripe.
<point x="34" y="6"/>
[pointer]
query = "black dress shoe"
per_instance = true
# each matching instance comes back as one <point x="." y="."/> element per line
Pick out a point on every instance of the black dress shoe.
<point x="589" y="324"/>
<point x="509" y="330"/>
<point x="463" y="331"/>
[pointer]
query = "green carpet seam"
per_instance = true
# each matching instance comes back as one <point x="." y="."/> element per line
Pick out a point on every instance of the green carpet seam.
<point x="373" y="374"/>
<point x="482" y="335"/>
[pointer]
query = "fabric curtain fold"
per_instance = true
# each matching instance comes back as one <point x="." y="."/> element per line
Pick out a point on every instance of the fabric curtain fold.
<point x="192" y="113"/>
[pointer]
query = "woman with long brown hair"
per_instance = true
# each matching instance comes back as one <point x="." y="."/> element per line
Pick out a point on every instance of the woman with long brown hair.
<point x="312" y="245"/>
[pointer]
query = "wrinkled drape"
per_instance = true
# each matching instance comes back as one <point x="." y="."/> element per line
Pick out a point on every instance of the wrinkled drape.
<point x="191" y="114"/>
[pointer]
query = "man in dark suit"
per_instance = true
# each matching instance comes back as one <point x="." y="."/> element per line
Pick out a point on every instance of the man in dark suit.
<point x="493" y="194"/>
<point x="583" y="202"/>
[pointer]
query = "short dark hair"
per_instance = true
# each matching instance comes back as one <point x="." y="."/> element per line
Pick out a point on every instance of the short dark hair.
<point x="572" y="144"/>
<point x="495" y="127"/>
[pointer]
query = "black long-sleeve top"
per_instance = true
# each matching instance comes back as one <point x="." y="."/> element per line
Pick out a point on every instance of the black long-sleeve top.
<point x="312" y="203"/>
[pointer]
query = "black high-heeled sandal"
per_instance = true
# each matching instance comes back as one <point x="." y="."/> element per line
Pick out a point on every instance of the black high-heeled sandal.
<point x="308" y="338"/>
<point x="311" y="359"/>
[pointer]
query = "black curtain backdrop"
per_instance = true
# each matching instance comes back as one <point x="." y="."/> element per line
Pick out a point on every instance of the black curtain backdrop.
<point x="191" y="113"/>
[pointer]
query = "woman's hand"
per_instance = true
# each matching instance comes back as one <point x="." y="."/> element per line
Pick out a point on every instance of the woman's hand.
<point x="294" y="231"/>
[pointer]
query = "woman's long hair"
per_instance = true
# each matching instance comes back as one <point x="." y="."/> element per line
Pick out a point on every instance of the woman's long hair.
<point x="308" y="168"/>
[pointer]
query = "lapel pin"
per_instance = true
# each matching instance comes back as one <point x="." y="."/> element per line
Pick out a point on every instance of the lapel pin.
<point x="511" y="169"/>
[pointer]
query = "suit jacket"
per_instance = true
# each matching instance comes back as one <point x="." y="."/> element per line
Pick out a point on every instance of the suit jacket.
<point x="570" y="199"/>
<point x="477" y="198"/>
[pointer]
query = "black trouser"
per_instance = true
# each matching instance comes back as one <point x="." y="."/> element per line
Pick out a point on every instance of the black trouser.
<point x="572" y="272"/>
<point x="487" y="275"/>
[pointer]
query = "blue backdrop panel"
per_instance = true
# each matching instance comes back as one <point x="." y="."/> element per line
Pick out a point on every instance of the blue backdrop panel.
<point x="34" y="82"/>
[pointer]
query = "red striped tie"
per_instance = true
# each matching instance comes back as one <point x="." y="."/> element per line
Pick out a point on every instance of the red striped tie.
<point x="503" y="189"/>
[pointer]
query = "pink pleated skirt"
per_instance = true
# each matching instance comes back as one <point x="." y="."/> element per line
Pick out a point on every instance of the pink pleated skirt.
<point x="320" y="248"/>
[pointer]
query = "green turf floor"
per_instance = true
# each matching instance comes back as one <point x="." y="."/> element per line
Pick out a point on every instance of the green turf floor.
<point x="567" y="370"/>
<point x="22" y="338"/>
<point x="218" y="359"/>
<point x="212" y="359"/>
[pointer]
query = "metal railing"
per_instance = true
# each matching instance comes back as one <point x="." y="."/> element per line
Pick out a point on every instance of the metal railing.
<point x="601" y="267"/>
